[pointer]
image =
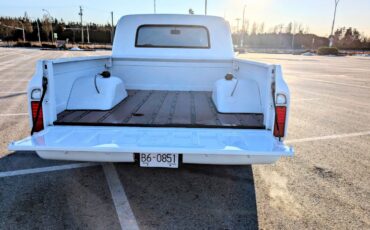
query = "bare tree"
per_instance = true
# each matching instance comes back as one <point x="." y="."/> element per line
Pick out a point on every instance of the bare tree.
<point x="246" y="25"/>
<point x="261" y="28"/>
<point x="27" y="23"/>
<point x="306" y="30"/>
<point x="300" y="28"/>
<point x="46" y="25"/>
<point x="254" y="28"/>
<point x="280" y="28"/>
<point x="289" y="28"/>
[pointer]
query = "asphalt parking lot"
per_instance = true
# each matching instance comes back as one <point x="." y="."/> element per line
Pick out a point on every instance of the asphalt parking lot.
<point x="325" y="186"/>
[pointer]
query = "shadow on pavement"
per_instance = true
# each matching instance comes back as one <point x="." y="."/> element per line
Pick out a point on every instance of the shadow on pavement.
<point x="66" y="199"/>
<point x="191" y="197"/>
<point x="25" y="160"/>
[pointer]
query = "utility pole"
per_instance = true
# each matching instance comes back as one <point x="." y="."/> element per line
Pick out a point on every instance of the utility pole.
<point x="205" y="7"/>
<point x="52" y="31"/>
<point x="112" y="31"/>
<point x="332" y="26"/>
<point x="243" y="28"/>
<point x="88" y="34"/>
<point x="155" y="7"/>
<point x="82" y="28"/>
<point x="38" y="30"/>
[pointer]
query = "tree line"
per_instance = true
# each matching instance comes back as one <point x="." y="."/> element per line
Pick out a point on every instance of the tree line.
<point x="11" y="29"/>
<point x="296" y="36"/>
<point x="289" y="36"/>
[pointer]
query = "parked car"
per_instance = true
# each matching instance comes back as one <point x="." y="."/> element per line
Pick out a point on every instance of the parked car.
<point x="172" y="91"/>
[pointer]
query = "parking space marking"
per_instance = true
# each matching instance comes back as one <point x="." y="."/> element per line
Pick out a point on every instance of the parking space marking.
<point x="13" y="114"/>
<point x="305" y="99"/>
<point x="327" y="137"/>
<point x="125" y="215"/>
<point x="46" y="169"/>
<point x="14" y="80"/>
<point x="335" y="83"/>
<point x="13" y="92"/>
<point x="319" y="94"/>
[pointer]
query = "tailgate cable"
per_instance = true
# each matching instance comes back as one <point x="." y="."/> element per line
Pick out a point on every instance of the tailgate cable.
<point x="44" y="88"/>
<point x="273" y="85"/>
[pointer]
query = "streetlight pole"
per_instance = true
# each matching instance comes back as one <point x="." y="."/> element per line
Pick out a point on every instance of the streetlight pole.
<point x="112" y="29"/>
<point x="332" y="26"/>
<point x="52" y="31"/>
<point x="243" y="28"/>
<point x="155" y="6"/>
<point x="82" y="27"/>
<point x="205" y="7"/>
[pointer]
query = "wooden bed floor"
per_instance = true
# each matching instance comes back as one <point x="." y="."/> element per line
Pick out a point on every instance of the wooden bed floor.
<point x="147" y="108"/>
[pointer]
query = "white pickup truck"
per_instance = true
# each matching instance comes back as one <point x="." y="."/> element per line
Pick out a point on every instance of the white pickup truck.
<point x="171" y="92"/>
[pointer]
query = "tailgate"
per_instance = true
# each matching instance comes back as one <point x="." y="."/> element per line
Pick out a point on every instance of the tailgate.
<point x="154" y="140"/>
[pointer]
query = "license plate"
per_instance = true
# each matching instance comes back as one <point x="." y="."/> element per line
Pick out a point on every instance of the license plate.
<point x="160" y="160"/>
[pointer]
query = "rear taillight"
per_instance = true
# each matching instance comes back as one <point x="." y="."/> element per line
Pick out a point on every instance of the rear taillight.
<point x="38" y="121"/>
<point x="279" y="129"/>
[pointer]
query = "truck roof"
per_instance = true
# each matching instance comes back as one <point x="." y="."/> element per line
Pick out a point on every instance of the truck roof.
<point x="219" y="37"/>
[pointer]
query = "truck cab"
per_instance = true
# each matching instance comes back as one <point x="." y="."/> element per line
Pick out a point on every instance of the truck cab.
<point x="171" y="92"/>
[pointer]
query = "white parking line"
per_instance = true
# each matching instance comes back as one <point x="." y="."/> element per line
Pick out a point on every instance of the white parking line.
<point x="342" y="98"/>
<point x="13" y="114"/>
<point x="328" y="137"/>
<point x="125" y="215"/>
<point x="13" y="92"/>
<point x="305" y="99"/>
<point x="46" y="169"/>
<point x="14" y="80"/>
<point x="335" y="83"/>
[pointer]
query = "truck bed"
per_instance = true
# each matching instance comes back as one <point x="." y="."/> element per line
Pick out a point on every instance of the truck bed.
<point x="148" y="108"/>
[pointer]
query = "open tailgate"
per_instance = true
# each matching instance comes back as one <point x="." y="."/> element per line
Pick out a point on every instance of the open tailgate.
<point x="153" y="140"/>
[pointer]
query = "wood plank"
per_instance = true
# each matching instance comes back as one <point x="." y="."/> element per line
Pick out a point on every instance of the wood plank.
<point x="204" y="114"/>
<point x="74" y="116"/>
<point x="228" y="119"/>
<point x="148" y="111"/>
<point x="123" y="113"/>
<point x="182" y="112"/>
<point x="221" y="118"/>
<point x="164" y="115"/>
<point x="63" y="114"/>
<point x="156" y="108"/>
<point x="254" y="120"/>
<point x="94" y="116"/>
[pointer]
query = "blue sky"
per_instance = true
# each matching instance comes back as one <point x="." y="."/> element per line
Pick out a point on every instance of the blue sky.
<point x="316" y="14"/>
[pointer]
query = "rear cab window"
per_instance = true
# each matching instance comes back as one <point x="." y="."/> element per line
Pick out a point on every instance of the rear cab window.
<point x="172" y="36"/>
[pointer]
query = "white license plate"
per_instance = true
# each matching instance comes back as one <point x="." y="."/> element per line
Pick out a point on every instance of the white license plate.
<point x="160" y="160"/>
